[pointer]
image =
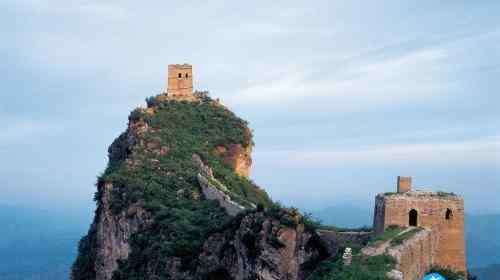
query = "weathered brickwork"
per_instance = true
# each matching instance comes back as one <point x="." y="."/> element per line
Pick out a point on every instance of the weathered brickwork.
<point x="412" y="257"/>
<point x="180" y="81"/>
<point x="404" y="184"/>
<point x="442" y="213"/>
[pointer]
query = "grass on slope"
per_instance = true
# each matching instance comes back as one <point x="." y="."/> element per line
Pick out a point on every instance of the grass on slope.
<point x="167" y="185"/>
<point x="389" y="233"/>
<point x="362" y="268"/>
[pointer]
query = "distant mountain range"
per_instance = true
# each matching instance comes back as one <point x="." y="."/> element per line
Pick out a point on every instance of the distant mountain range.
<point x="38" y="244"/>
<point x="345" y="215"/>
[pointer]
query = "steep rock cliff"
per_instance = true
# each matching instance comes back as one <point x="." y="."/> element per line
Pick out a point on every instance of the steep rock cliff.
<point x="154" y="219"/>
<point x="113" y="232"/>
<point x="258" y="246"/>
<point x="237" y="156"/>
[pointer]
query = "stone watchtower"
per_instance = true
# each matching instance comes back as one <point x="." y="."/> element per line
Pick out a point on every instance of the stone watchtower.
<point x="442" y="213"/>
<point x="404" y="184"/>
<point x="180" y="82"/>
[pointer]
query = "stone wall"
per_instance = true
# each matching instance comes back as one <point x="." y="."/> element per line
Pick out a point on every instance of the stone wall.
<point x="404" y="184"/>
<point x="443" y="213"/>
<point x="212" y="192"/>
<point x="379" y="223"/>
<point x="212" y="189"/>
<point x="336" y="240"/>
<point x="416" y="256"/>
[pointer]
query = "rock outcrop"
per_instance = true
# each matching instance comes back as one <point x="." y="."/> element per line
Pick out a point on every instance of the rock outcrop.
<point x="175" y="202"/>
<point x="238" y="157"/>
<point x="113" y="231"/>
<point x="261" y="248"/>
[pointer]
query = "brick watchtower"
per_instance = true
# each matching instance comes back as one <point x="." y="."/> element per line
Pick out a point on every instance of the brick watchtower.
<point x="442" y="213"/>
<point x="180" y="81"/>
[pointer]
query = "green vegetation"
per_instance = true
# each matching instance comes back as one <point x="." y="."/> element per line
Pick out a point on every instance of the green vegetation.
<point x="362" y="268"/>
<point x="399" y="239"/>
<point x="389" y="233"/>
<point x="184" y="129"/>
<point x="445" y="194"/>
<point x="83" y="268"/>
<point x="157" y="172"/>
<point x="391" y="193"/>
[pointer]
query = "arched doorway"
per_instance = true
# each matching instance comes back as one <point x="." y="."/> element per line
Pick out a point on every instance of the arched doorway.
<point x="413" y="218"/>
<point x="449" y="214"/>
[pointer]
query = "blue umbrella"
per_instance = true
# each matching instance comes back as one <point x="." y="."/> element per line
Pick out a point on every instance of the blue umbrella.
<point x="434" y="276"/>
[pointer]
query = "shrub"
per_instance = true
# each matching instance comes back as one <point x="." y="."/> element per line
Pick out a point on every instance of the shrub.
<point x="399" y="239"/>
<point x="361" y="268"/>
<point x="389" y="233"/>
<point x="167" y="186"/>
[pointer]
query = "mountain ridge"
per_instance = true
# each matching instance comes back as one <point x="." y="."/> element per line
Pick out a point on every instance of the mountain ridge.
<point x="151" y="208"/>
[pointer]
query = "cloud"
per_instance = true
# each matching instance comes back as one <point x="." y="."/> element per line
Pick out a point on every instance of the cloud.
<point x="19" y="130"/>
<point x="89" y="9"/>
<point x="479" y="151"/>
<point x="304" y="75"/>
<point x="415" y="75"/>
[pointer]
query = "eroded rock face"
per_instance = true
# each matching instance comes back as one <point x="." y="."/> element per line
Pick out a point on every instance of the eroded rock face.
<point x="259" y="248"/>
<point x="113" y="231"/>
<point x="253" y="246"/>
<point x="238" y="157"/>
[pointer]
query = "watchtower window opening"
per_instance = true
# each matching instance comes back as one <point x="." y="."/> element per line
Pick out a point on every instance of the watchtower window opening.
<point x="180" y="75"/>
<point x="413" y="218"/>
<point x="449" y="214"/>
<point x="187" y="76"/>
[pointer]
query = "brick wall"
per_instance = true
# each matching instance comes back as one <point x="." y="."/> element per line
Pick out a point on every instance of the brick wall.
<point x="416" y="256"/>
<point x="432" y="209"/>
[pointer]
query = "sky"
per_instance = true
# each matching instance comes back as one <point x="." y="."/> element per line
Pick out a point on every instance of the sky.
<point x="343" y="96"/>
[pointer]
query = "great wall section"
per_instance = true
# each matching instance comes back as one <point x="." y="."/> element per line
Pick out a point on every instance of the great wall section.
<point x="435" y="218"/>
<point x="434" y="226"/>
<point x="428" y="226"/>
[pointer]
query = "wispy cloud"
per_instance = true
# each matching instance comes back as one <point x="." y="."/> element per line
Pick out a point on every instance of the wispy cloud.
<point x="18" y="130"/>
<point x="90" y="9"/>
<point x="413" y="76"/>
<point x="351" y="85"/>
<point x="484" y="151"/>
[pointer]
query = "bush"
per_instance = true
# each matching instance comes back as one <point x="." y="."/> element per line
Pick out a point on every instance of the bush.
<point x="361" y="268"/>
<point x="389" y="233"/>
<point x="166" y="183"/>
<point x="398" y="240"/>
